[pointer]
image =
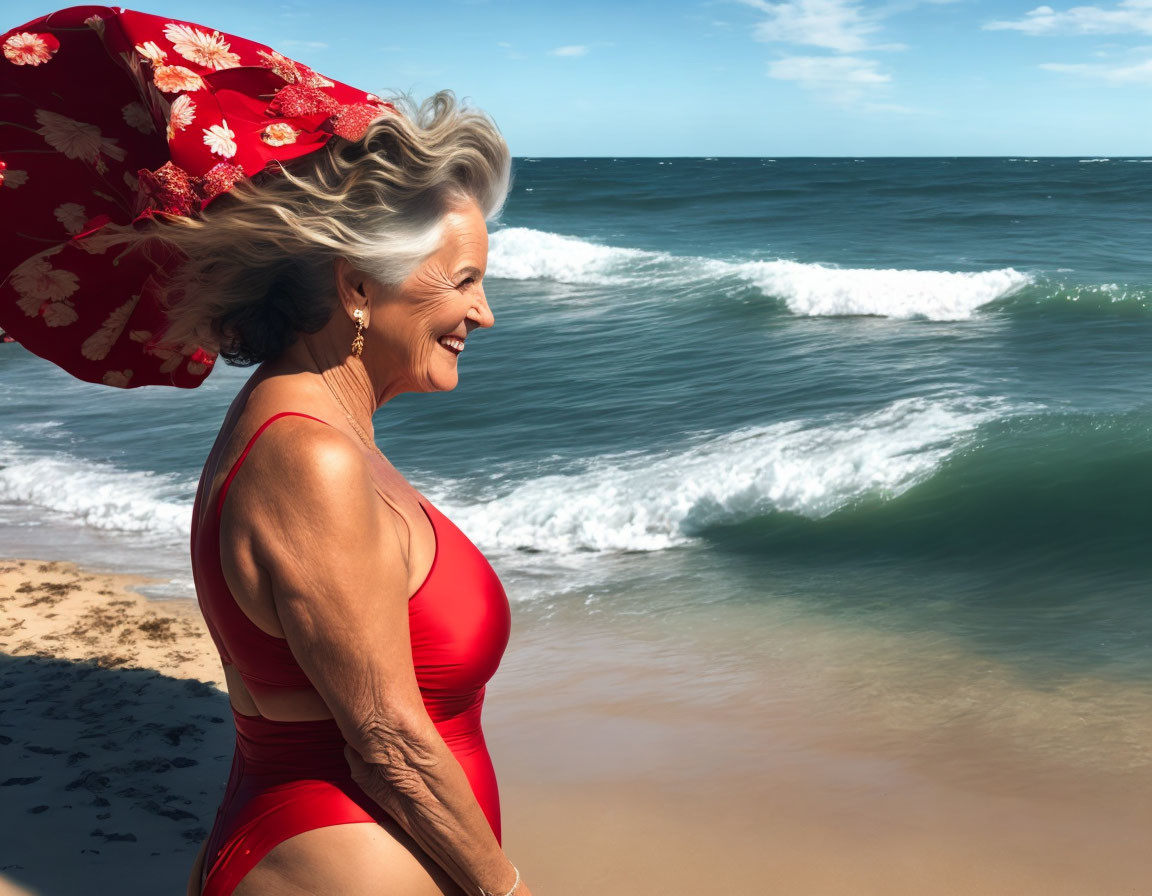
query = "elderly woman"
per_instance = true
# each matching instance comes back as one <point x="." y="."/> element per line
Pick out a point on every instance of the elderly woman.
<point x="357" y="626"/>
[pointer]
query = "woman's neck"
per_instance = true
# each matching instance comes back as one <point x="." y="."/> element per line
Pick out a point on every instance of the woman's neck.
<point x="344" y="376"/>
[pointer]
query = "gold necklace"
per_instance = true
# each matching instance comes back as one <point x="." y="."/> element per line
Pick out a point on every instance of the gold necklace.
<point x="356" y="426"/>
<point x="364" y="437"/>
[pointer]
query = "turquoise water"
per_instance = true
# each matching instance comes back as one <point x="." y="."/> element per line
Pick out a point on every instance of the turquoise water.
<point x="910" y="394"/>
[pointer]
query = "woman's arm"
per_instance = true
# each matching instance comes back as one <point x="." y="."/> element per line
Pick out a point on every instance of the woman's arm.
<point x="331" y="550"/>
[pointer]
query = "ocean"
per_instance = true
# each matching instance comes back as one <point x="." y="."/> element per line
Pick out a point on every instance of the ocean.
<point x="891" y="417"/>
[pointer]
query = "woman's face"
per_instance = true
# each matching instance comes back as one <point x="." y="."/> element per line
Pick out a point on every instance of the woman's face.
<point x="415" y="329"/>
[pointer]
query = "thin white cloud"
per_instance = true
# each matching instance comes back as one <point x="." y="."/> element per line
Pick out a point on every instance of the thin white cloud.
<point x="1140" y="73"/>
<point x="847" y="28"/>
<point x="573" y="50"/>
<point x="841" y="25"/>
<point x="821" y="72"/>
<point x="1128" y="17"/>
<point x="303" y="44"/>
<point x="898" y="6"/>
<point x="1125" y="17"/>
<point x="510" y="52"/>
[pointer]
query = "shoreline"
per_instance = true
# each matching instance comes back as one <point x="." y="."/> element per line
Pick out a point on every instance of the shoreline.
<point x="116" y="742"/>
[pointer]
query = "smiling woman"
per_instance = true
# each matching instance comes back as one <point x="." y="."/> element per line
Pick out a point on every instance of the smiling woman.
<point x="350" y="279"/>
<point x="341" y="246"/>
<point x="260" y="266"/>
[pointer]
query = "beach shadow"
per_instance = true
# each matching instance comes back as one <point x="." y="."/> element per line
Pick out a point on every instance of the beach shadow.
<point x="109" y="778"/>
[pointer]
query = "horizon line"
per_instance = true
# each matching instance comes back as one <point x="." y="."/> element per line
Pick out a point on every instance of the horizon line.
<point x="1105" y="158"/>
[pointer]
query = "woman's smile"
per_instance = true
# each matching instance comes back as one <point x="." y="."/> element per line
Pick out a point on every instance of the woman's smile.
<point x="454" y="344"/>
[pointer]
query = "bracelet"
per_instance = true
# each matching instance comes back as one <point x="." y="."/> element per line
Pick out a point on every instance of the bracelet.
<point x="515" y="885"/>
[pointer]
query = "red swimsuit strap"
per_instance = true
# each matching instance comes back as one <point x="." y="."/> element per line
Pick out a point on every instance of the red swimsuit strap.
<point x="248" y="447"/>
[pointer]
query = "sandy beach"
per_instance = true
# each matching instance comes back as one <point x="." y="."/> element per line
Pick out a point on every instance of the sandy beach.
<point x="630" y="759"/>
<point x="114" y="735"/>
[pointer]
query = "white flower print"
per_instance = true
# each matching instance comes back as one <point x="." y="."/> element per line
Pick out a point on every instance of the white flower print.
<point x="219" y="139"/>
<point x="27" y="49"/>
<point x="151" y="51"/>
<point x="37" y="282"/>
<point x="208" y="50"/>
<point x="176" y="79"/>
<point x="181" y="115"/>
<point x="131" y="181"/>
<point x="60" y="314"/>
<point x="136" y="116"/>
<point x="72" y="216"/>
<point x="76" y="139"/>
<point x="118" y="378"/>
<point x="279" y="134"/>
<point x="196" y="367"/>
<point x="30" y="304"/>
<point x="110" y="148"/>
<point x="13" y="179"/>
<point x="96" y="23"/>
<point x="97" y="346"/>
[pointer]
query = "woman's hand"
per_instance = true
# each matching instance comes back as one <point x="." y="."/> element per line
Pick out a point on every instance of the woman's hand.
<point x="363" y="775"/>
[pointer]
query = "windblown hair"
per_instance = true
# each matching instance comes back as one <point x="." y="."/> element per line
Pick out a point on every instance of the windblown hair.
<point x="260" y="257"/>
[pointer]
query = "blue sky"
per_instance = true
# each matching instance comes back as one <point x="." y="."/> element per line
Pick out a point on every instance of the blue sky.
<point x="738" y="77"/>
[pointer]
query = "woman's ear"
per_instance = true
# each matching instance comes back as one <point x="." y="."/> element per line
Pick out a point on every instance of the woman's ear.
<point x="351" y="287"/>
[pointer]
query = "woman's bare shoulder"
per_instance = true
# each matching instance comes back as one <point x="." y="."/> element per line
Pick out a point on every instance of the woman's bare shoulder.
<point x="307" y="488"/>
<point x="300" y="459"/>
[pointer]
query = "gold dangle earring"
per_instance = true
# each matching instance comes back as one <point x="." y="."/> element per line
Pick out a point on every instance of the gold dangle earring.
<point x="358" y="342"/>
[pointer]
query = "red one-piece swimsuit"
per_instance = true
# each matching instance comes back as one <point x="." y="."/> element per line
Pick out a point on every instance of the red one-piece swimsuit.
<point x="291" y="777"/>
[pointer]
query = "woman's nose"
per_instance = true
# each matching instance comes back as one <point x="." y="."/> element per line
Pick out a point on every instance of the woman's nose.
<point x="480" y="312"/>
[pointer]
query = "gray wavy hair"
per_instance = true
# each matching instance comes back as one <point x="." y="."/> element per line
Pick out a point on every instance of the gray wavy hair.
<point x="259" y="267"/>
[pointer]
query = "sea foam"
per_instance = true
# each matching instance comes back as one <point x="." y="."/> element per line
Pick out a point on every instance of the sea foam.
<point x="96" y="495"/>
<point x="650" y="502"/>
<point x="520" y="253"/>
<point x="806" y="289"/>
<point x="815" y="290"/>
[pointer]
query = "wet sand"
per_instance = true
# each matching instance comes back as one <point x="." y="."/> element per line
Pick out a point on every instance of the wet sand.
<point x="634" y="755"/>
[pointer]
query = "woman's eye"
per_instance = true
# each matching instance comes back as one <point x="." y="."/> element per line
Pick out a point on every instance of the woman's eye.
<point x="468" y="281"/>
